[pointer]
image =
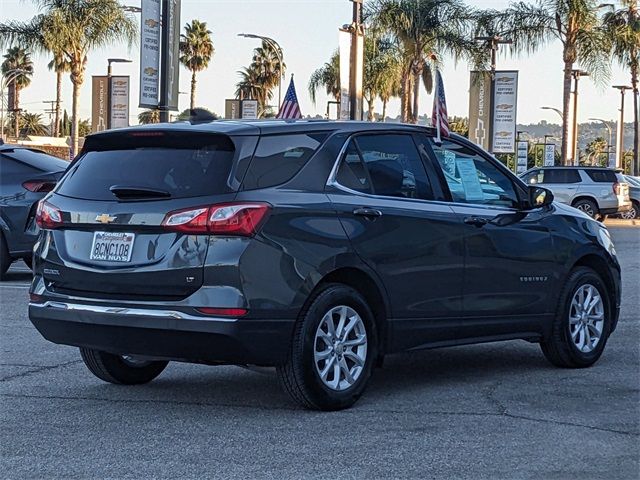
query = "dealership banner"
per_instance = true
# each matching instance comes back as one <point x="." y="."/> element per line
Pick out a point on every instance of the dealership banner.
<point x="149" y="53"/>
<point x="480" y="108"/>
<point x="119" y="102"/>
<point x="99" y="99"/>
<point x="344" y="42"/>
<point x="504" y="111"/>
<point x="523" y="151"/>
<point x="549" y="155"/>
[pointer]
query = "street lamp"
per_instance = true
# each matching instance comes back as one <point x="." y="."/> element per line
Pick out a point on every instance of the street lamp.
<point x="278" y="50"/>
<point x="109" y="62"/>
<point x="576" y="74"/>
<point x="620" y="131"/>
<point x="493" y="43"/>
<point x="8" y="77"/>
<point x="557" y="110"/>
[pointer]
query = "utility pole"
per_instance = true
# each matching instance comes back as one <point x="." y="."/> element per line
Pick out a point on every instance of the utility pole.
<point x="620" y="130"/>
<point x="50" y="111"/>
<point x="493" y="43"/>
<point x="574" y="145"/>
<point x="356" y="61"/>
<point x="169" y="39"/>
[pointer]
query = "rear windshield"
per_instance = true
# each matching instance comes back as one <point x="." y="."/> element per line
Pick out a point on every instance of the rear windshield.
<point x="199" y="169"/>
<point x="602" y="176"/>
<point x="39" y="160"/>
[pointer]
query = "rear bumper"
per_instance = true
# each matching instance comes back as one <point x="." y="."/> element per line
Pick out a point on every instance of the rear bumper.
<point x="164" y="334"/>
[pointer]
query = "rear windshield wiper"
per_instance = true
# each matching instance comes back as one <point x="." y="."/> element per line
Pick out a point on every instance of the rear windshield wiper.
<point x="129" y="192"/>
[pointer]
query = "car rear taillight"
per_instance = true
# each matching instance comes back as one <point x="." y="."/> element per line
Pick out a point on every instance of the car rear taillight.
<point x="617" y="188"/>
<point x="39" y="186"/>
<point x="48" y="216"/>
<point x="242" y="219"/>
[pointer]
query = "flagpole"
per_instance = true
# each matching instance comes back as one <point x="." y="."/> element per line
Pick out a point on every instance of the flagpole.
<point x="436" y="101"/>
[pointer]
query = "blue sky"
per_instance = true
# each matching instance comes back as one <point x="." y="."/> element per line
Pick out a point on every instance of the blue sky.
<point x="307" y="31"/>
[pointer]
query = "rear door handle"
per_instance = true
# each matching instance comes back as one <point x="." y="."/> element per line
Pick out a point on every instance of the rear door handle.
<point x="476" y="221"/>
<point x="367" y="212"/>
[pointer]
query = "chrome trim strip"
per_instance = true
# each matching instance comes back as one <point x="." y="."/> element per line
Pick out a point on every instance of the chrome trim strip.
<point x="135" y="312"/>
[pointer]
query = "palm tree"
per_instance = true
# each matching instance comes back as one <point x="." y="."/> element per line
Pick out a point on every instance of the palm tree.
<point x="73" y="27"/>
<point x="381" y="76"/>
<point x="424" y="30"/>
<point x="249" y="87"/>
<point x="32" y="124"/>
<point x="149" y="116"/>
<point x="17" y="59"/>
<point x="61" y="66"/>
<point x="575" y="23"/>
<point x="196" y="50"/>
<point x="623" y="30"/>
<point x="327" y="77"/>
<point x="267" y="65"/>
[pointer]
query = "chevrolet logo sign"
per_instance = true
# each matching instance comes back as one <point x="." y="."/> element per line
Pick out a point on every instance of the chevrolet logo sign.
<point x="105" y="218"/>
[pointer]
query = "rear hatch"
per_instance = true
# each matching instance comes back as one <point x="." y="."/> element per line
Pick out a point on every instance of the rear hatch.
<point x="106" y="223"/>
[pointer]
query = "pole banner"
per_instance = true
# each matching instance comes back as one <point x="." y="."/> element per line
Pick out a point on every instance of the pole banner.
<point x="149" y="53"/>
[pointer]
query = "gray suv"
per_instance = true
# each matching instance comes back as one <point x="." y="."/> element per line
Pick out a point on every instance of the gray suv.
<point x="596" y="191"/>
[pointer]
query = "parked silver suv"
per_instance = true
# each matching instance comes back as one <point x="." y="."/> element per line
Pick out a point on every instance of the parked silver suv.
<point x="596" y="191"/>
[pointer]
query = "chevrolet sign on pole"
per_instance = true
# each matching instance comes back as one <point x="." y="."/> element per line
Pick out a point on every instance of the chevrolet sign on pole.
<point x="150" y="53"/>
<point x="480" y="108"/>
<point x="504" y="112"/>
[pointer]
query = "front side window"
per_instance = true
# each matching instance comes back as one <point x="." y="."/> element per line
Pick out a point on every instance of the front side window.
<point x="472" y="178"/>
<point x="385" y="164"/>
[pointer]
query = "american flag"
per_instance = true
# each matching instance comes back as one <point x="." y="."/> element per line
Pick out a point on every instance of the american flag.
<point x="439" y="117"/>
<point x="290" y="108"/>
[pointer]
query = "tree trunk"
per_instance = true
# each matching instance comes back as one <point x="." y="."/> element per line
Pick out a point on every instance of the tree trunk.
<point x="16" y="112"/>
<point x="635" y="167"/>
<point x="56" y="125"/>
<point x="76" y="80"/>
<point x="405" y="96"/>
<point x="193" y="90"/>
<point x="566" y="100"/>
<point x="371" y="109"/>
<point x="384" y="110"/>
<point x="416" y="95"/>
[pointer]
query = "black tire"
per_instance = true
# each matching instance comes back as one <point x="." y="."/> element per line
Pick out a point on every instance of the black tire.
<point x="634" y="213"/>
<point x="5" y="258"/>
<point x="115" y="369"/>
<point x="587" y="206"/>
<point x="299" y="375"/>
<point x="559" y="348"/>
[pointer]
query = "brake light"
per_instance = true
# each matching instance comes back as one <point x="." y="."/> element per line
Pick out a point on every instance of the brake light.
<point x="39" y="186"/>
<point x="242" y="219"/>
<point x="48" y="216"/>
<point x="223" y="312"/>
<point x="617" y="188"/>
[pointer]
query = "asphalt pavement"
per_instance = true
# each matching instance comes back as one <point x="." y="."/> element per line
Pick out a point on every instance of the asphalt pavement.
<point x="495" y="411"/>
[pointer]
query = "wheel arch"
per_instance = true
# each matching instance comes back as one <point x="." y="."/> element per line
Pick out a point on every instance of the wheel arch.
<point x="601" y="267"/>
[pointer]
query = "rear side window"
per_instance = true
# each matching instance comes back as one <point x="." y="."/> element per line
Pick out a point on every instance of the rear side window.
<point x="198" y="168"/>
<point x="560" y="175"/>
<point x="386" y="164"/>
<point x="279" y="157"/>
<point x="602" y="176"/>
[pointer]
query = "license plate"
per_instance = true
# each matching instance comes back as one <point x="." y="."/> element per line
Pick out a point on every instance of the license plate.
<point x="112" y="246"/>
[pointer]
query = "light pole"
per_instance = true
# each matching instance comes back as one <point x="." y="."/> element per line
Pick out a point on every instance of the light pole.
<point x="620" y="130"/>
<point x="557" y="110"/>
<point x="109" y="62"/>
<point x="493" y="43"/>
<point x="574" y="147"/>
<point x="7" y="78"/>
<point x="278" y="49"/>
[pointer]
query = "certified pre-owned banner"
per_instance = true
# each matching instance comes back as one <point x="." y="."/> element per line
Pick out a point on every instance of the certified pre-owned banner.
<point x="480" y="108"/>
<point x="149" y="53"/>
<point x="344" y="42"/>
<point x="119" y="102"/>
<point x="504" y="112"/>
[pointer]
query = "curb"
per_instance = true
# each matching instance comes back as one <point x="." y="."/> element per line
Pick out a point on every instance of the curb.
<point x="618" y="222"/>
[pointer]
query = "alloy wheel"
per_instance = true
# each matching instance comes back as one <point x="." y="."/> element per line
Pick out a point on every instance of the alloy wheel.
<point x="587" y="208"/>
<point x="586" y="318"/>
<point x="340" y="348"/>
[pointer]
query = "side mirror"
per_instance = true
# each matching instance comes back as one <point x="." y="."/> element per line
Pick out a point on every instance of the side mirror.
<point x="539" y="196"/>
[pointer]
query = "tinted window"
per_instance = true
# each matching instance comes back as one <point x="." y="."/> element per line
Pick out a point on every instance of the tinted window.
<point x="11" y="167"/>
<point x="279" y="157"/>
<point x="472" y="178"/>
<point x="602" y="176"/>
<point x="351" y="173"/>
<point x="182" y="172"/>
<point x="39" y="160"/>
<point x="393" y="165"/>
<point x="560" y="175"/>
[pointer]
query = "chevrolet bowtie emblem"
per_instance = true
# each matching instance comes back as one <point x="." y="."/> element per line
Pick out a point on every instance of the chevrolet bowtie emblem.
<point x="105" y="218"/>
